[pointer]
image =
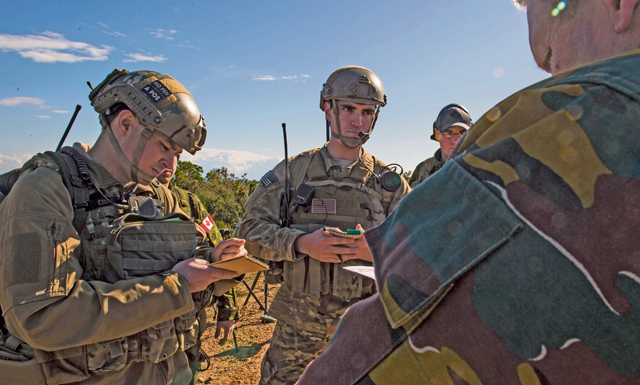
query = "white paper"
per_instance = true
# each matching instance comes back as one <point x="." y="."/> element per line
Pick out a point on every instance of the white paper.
<point x="367" y="271"/>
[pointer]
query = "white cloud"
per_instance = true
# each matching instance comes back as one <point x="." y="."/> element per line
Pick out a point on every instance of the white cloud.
<point x="51" y="47"/>
<point x="272" y="78"/>
<point x="43" y="116"/>
<point x="115" y="33"/>
<point x="29" y="101"/>
<point x="268" y="77"/>
<point x="9" y="162"/>
<point x="136" y="57"/>
<point x="238" y="162"/>
<point x="104" y="25"/>
<point x="164" y="33"/>
<point x="20" y="100"/>
<point x="189" y="46"/>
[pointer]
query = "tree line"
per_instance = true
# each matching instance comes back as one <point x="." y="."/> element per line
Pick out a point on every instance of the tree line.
<point x="222" y="193"/>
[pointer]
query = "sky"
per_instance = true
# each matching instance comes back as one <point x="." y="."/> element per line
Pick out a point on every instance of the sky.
<point x="253" y="65"/>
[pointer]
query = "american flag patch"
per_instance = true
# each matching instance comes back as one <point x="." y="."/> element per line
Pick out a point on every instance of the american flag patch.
<point x="268" y="178"/>
<point x="323" y="206"/>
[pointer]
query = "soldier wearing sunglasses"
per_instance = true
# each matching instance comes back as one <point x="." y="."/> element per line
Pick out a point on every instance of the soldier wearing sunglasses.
<point x="452" y="123"/>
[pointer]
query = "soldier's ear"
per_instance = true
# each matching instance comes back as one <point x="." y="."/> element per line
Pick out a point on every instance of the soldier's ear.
<point x="125" y="122"/>
<point x="620" y="13"/>
<point x="327" y="111"/>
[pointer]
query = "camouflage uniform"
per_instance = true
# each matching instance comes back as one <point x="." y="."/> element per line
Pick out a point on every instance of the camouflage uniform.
<point x="531" y="274"/>
<point x="189" y="203"/>
<point x="76" y="297"/>
<point x="426" y="168"/>
<point x="314" y="295"/>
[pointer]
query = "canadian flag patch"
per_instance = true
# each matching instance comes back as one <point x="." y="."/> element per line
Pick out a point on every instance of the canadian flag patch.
<point x="208" y="223"/>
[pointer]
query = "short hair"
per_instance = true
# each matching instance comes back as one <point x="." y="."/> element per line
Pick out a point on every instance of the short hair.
<point x="112" y="112"/>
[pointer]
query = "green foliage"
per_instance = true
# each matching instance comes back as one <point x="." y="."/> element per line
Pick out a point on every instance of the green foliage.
<point x="407" y="176"/>
<point x="188" y="174"/>
<point x="222" y="193"/>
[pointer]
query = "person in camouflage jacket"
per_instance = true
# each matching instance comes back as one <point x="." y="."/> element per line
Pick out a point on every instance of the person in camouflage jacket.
<point x="95" y="280"/>
<point x="348" y="194"/>
<point x="530" y="275"/>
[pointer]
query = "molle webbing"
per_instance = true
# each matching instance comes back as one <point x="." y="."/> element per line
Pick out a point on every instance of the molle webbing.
<point x="308" y="275"/>
<point x="343" y="185"/>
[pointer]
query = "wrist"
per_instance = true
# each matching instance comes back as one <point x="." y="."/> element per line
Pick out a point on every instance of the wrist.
<point x="300" y="244"/>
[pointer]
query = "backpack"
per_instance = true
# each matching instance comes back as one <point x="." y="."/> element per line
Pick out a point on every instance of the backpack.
<point x="18" y="357"/>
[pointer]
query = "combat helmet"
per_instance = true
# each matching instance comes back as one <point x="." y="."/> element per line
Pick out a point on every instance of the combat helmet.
<point x="355" y="84"/>
<point x="159" y="102"/>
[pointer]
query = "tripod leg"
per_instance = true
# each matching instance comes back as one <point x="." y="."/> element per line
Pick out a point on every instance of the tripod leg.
<point x="253" y="286"/>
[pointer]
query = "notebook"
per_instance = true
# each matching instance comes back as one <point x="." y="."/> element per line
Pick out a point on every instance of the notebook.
<point x="241" y="264"/>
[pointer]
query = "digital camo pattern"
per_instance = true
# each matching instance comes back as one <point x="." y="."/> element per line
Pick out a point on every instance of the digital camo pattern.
<point x="534" y="260"/>
<point x="306" y="322"/>
<point x="299" y="338"/>
<point x="191" y="205"/>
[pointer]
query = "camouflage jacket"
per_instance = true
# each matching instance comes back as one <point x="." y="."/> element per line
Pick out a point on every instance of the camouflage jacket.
<point x="531" y="274"/>
<point x="260" y="225"/>
<point x="83" y="326"/>
<point x="191" y="205"/>
<point x="426" y="168"/>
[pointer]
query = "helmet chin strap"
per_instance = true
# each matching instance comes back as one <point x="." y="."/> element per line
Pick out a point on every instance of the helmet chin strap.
<point x="362" y="137"/>
<point x="136" y="174"/>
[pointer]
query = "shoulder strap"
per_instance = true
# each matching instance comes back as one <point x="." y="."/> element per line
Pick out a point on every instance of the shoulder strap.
<point x="75" y="176"/>
<point x="299" y="168"/>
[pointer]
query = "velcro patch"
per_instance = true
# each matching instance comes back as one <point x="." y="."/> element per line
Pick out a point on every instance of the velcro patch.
<point x="156" y="91"/>
<point x="323" y="206"/>
<point x="22" y="264"/>
<point x="208" y="223"/>
<point x="268" y="178"/>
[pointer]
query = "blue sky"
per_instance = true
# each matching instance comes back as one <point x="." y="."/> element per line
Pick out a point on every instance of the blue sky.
<point x="252" y="65"/>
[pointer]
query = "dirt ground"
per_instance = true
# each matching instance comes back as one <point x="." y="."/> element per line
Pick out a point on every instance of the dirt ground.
<point x="242" y="366"/>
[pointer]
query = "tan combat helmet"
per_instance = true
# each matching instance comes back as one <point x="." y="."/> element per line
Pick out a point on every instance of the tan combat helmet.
<point x="159" y="102"/>
<point x="355" y="84"/>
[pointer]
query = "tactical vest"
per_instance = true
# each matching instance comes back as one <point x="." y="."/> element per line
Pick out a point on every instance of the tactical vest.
<point x="118" y="242"/>
<point x="338" y="202"/>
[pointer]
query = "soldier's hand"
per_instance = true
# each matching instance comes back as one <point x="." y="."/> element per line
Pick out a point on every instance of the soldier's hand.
<point x="228" y="249"/>
<point x="324" y="247"/>
<point x="226" y="327"/>
<point x="199" y="275"/>
<point x="364" y="253"/>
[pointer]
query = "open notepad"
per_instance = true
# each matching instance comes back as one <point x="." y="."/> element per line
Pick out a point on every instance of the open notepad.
<point x="241" y="265"/>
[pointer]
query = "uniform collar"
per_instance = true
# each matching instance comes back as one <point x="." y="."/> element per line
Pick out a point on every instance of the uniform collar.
<point x="335" y="170"/>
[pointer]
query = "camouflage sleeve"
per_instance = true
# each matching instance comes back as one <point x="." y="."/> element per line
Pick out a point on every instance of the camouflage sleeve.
<point x="260" y="224"/>
<point x="226" y="310"/>
<point x="44" y="299"/>
<point x="398" y="195"/>
<point x="202" y="216"/>
<point x="418" y="175"/>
